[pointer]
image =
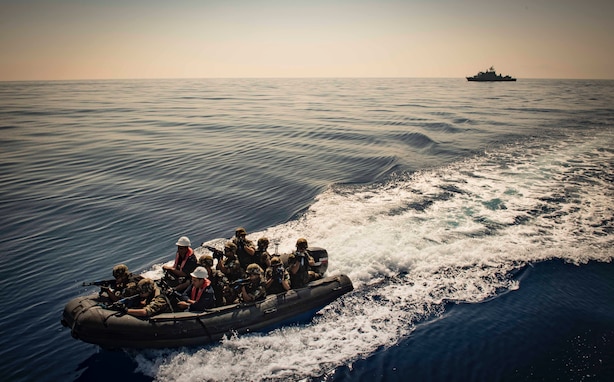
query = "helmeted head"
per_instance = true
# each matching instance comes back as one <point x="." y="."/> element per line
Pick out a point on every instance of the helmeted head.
<point x="206" y="260"/>
<point x="276" y="261"/>
<point x="120" y="270"/>
<point x="183" y="241"/>
<point x="301" y="243"/>
<point x="146" y="286"/>
<point x="230" y="247"/>
<point x="200" y="273"/>
<point x="253" y="269"/>
<point x="263" y="243"/>
<point x="240" y="232"/>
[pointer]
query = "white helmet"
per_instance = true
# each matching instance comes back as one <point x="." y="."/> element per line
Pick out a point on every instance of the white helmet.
<point x="183" y="242"/>
<point x="200" y="273"/>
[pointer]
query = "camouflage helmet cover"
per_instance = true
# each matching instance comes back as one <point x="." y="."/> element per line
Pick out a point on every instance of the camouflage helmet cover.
<point x="205" y="260"/>
<point x="301" y="243"/>
<point x="263" y="242"/>
<point x="276" y="260"/>
<point x="253" y="269"/>
<point x="120" y="270"/>
<point x="230" y="245"/>
<point x="146" y="286"/>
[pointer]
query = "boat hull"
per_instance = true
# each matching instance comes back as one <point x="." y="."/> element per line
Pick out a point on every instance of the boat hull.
<point x="92" y="323"/>
<point x="490" y="80"/>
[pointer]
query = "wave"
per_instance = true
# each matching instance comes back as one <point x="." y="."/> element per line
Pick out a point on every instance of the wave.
<point x="416" y="243"/>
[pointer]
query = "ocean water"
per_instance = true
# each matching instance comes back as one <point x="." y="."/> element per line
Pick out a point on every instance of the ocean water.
<point x="474" y="219"/>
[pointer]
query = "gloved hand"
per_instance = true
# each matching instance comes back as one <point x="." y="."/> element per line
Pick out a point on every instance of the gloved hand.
<point x="122" y="308"/>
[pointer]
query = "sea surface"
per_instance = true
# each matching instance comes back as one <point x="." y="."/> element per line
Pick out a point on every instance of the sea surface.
<point x="476" y="221"/>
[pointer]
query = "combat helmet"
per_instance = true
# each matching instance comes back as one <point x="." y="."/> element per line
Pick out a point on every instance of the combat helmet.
<point x="253" y="269"/>
<point x="302" y="243"/>
<point x="206" y="260"/>
<point x="275" y="261"/>
<point x="120" y="270"/>
<point x="146" y="286"/>
<point x="263" y="242"/>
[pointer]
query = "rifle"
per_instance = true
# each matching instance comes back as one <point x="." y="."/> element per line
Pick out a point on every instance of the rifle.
<point x="100" y="283"/>
<point x="217" y="254"/>
<point x="122" y="305"/>
<point x="239" y="283"/>
<point x="170" y="291"/>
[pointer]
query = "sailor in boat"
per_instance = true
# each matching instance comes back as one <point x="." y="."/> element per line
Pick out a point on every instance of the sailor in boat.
<point x="299" y="264"/>
<point x="125" y="284"/>
<point x="262" y="256"/>
<point x="152" y="301"/>
<point x="199" y="295"/>
<point x="219" y="281"/>
<point x="245" y="248"/>
<point x="178" y="275"/>
<point x="277" y="279"/>
<point x="254" y="289"/>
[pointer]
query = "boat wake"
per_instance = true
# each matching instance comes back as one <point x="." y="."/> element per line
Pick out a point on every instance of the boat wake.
<point x="416" y="243"/>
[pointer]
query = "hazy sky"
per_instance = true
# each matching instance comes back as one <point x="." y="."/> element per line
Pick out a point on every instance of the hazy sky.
<point x="69" y="39"/>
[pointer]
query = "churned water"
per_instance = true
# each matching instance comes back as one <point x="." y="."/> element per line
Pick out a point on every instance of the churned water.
<point x="475" y="220"/>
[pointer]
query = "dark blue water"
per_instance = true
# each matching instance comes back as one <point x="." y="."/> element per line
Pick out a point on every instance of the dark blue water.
<point x="558" y="326"/>
<point x="428" y="193"/>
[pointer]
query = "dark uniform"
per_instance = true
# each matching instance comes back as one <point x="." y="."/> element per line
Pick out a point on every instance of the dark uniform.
<point x="245" y="259"/>
<point x="301" y="278"/>
<point x="277" y="273"/>
<point x="204" y="297"/>
<point x="186" y="264"/>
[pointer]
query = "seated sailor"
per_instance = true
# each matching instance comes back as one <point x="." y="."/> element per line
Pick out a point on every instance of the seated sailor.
<point x="199" y="295"/>
<point x="254" y="289"/>
<point x="277" y="279"/>
<point x="152" y="301"/>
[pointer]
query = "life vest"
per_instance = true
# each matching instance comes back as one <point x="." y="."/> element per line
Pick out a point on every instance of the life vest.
<point x="196" y="293"/>
<point x="185" y="260"/>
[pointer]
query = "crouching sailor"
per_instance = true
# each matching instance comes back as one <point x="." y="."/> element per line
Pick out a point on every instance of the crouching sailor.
<point x="152" y="301"/>
<point x="125" y="284"/>
<point x="253" y="289"/>
<point x="199" y="295"/>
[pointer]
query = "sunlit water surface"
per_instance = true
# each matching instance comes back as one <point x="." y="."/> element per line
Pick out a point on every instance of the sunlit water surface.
<point x="434" y="196"/>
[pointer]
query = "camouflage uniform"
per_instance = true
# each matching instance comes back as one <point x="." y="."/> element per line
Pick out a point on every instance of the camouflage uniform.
<point x="129" y="289"/>
<point x="235" y="271"/>
<point x="263" y="258"/>
<point x="156" y="304"/>
<point x="124" y="285"/>
<point x="256" y="291"/>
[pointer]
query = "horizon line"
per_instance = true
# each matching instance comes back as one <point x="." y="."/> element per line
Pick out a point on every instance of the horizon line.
<point x="283" y="78"/>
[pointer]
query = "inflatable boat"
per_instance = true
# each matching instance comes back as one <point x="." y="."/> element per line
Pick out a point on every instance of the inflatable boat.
<point x="91" y="321"/>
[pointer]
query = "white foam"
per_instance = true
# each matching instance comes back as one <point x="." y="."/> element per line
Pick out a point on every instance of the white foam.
<point x="416" y="242"/>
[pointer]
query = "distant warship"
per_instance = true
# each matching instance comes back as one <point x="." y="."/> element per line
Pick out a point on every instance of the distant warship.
<point x="490" y="75"/>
